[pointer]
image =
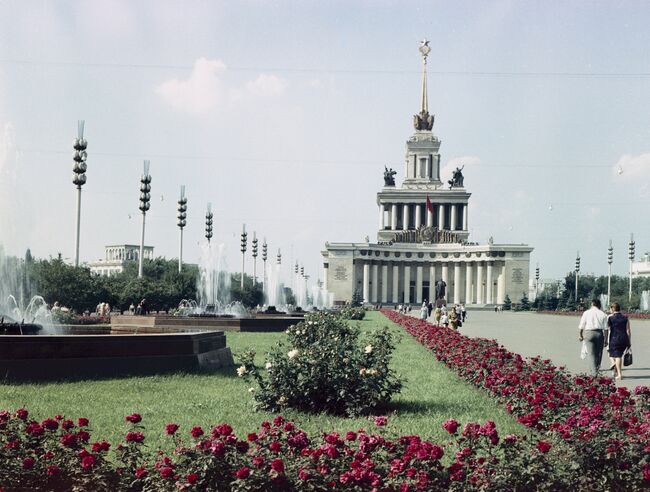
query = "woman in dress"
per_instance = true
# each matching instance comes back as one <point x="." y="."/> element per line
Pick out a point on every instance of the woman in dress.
<point x="619" y="337"/>
<point x="424" y="311"/>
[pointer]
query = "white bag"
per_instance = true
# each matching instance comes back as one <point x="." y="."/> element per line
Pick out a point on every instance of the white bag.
<point x="584" y="352"/>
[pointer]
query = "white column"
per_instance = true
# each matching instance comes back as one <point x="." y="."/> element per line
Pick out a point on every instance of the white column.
<point x="429" y="217"/>
<point x="407" y="284"/>
<point x="445" y="278"/>
<point x="384" y="283"/>
<point x="418" y="284"/>
<point x="393" y="217"/>
<point x="453" y="217"/>
<point x="488" y="284"/>
<point x="395" y="298"/>
<point x="405" y="216"/>
<point x="457" y="282"/>
<point x="418" y="215"/>
<point x="501" y="284"/>
<point x="468" y="283"/>
<point x="441" y="216"/>
<point x="465" y="215"/>
<point x="366" y="282"/>
<point x="432" y="282"/>
<point x="381" y="216"/>
<point x="325" y="272"/>
<point x="375" y="283"/>
<point x="479" y="282"/>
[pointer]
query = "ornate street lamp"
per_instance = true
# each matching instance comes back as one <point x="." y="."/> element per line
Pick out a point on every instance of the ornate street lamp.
<point x="537" y="282"/>
<point x="145" y="198"/>
<point x="631" y="251"/>
<point x="244" y="241"/>
<point x="279" y="258"/>
<point x="254" y="250"/>
<point x="265" y="255"/>
<point x="79" y="157"/>
<point x="610" y="259"/>
<point x="208" y="223"/>
<point x="182" y="215"/>
<point x="577" y="275"/>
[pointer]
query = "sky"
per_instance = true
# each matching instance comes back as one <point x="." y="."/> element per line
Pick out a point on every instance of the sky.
<point x="283" y="114"/>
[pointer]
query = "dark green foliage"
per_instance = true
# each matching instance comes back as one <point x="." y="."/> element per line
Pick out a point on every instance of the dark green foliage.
<point x="251" y="295"/>
<point x="357" y="298"/>
<point x="507" y="303"/>
<point x="525" y="303"/>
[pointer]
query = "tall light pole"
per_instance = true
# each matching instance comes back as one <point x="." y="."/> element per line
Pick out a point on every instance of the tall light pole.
<point x="631" y="250"/>
<point x="279" y="257"/>
<point x="244" y="241"/>
<point x="610" y="259"/>
<point x="182" y="215"/>
<point x="537" y="282"/>
<point x="577" y="275"/>
<point x="254" y="250"/>
<point x="145" y="198"/>
<point x="208" y="222"/>
<point x="79" y="157"/>
<point x="265" y="255"/>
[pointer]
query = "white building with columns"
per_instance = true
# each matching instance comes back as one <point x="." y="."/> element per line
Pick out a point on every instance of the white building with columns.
<point x="117" y="256"/>
<point x="423" y="238"/>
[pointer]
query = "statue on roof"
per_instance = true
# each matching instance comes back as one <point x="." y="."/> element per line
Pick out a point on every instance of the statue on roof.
<point x="457" y="178"/>
<point x="389" y="176"/>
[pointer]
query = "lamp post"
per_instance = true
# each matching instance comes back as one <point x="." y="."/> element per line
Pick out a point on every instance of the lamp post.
<point x="631" y="250"/>
<point x="279" y="258"/>
<point x="610" y="259"/>
<point x="79" y="157"/>
<point x="536" y="281"/>
<point x="208" y="223"/>
<point x="145" y="198"/>
<point x="254" y="250"/>
<point x="265" y="255"/>
<point x="244" y="241"/>
<point x="577" y="275"/>
<point x="182" y="215"/>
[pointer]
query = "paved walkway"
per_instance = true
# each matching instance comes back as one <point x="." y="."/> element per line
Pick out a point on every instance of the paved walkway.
<point x="556" y="338"/>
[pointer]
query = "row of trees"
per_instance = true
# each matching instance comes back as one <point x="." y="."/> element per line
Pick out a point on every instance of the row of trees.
<point x="162" y="285"/>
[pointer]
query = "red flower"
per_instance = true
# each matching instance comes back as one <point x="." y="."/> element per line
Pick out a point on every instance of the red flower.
<point x="222" y="430"/>
<point x="380" y="421"/>
<point x="170" y="429"/>
<point x="646" y="471"/>
<point x="67" y="424"/>
<point x="351" y="436"/>
<point x="303" y="474"/>
<point x="543" y="446"/>
<point x="100" y="446"/>
<point x="450" y="426"/>
<point x="275" y="446"/>
<point x="167" y="472"/>
<point x="140" y="472"/>
<point x="196" y="432"/>
<point x="436" y="452"/>
<point x="50" y="424"/>
<point x="277" y="465"/>
<point x="83" y="435"/>
<point x="68" y="440"/>
<point x="192" y="478"/>
<point x="28" y="463"/>
<point x="252" y="437"/>
<point x="35" y="429"/>
<point x="278" y="421"/>
<point x="53" y="471"/>
<point x="134" y="437"/>
<point x="134" y="418"/>
<point x="87" y="462"/>
<point x="242" y="473"/>
<point x="82" y="422"/>
<point x="22" y="414"/>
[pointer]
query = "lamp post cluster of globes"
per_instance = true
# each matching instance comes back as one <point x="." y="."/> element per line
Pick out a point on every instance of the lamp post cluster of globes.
<point x="80" y="156"/>
<point x="631" y="249"/>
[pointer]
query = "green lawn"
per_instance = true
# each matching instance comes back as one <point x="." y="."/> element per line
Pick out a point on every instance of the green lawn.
<point x="431" y="395"/>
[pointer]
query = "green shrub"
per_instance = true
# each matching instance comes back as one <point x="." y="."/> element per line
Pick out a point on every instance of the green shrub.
<point x="325" y="367"/>
<point x="353" y="313"/>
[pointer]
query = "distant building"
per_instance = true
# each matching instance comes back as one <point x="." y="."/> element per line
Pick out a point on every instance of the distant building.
<point x="641" y="268"/>
<point x="116" y="257"/>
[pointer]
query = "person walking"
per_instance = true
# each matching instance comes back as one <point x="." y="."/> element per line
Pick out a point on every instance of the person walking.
<point x="453" y="318"/>
<point x="437" y="314"/>
<point x="593" y="325"/>
<point x="444" y="319"/>
<point x="619" y="339"/>
<point x="429" y="308"/>
<point x="424" y="312"/>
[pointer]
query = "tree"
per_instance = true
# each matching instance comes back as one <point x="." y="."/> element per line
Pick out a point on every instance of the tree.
<point x="357" y="298"/>
<point x="251" y="295"/>
<point x="507" y="303"/>
<point x="525" y="303"/>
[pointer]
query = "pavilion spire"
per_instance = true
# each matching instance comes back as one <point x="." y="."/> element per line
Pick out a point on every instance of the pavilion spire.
<point x="423" y="120"/>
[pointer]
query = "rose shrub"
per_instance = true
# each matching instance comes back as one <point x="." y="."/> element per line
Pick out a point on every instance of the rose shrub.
<point x="325" y="368"/>
<point x="605" y="430"/>
<point x="352" y="313"/>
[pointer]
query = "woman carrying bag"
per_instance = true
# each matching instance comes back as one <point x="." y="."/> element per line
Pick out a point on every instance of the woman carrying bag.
<point x="619" y="341"/>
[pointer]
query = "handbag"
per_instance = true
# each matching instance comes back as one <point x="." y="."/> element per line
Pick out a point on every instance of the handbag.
<point x="584" y="351"/>
<point x="627" y="357"/>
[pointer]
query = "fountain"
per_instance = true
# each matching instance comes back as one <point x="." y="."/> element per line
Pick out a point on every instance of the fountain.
<point x="604" y="301"/>
<point x="645" y="300"/>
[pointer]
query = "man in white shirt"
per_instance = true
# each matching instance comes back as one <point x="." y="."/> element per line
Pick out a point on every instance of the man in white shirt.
<point x="593" y="327"/>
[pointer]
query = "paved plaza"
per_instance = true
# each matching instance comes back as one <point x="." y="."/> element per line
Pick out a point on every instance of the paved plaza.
<point x="556" y="338"/>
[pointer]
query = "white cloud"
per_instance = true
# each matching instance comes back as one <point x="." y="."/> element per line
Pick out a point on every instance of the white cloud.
<point x="632" y="166"/>
<point x="266" y="86"/>
<point x="452" y="164"/>
<point x="201" y="92"/>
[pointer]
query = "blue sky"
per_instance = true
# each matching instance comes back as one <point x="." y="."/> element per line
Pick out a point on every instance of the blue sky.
<point x="283" y="114"/>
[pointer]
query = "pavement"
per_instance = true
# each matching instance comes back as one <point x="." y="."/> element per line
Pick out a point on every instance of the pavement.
<point x="556" y="337"/>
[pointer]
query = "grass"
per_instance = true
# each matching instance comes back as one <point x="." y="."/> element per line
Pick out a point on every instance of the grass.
<point x="430" y="395"/>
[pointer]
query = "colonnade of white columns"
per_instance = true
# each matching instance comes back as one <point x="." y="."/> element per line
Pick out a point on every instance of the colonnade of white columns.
<point x="471" y="282"/>
<point x="388" y="216"/>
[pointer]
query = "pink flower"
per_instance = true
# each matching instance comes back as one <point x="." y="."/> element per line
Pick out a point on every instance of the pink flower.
<point x="134" y="418"/>
<point x="381" y="421"/>
<point x="243" y="473"/>
<point x="170" y="429"/>
<point x="450" y="426"/>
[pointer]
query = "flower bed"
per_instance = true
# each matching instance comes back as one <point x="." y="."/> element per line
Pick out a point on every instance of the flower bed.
<point x="606" y="428"/>
<point x="579" y="313"/>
